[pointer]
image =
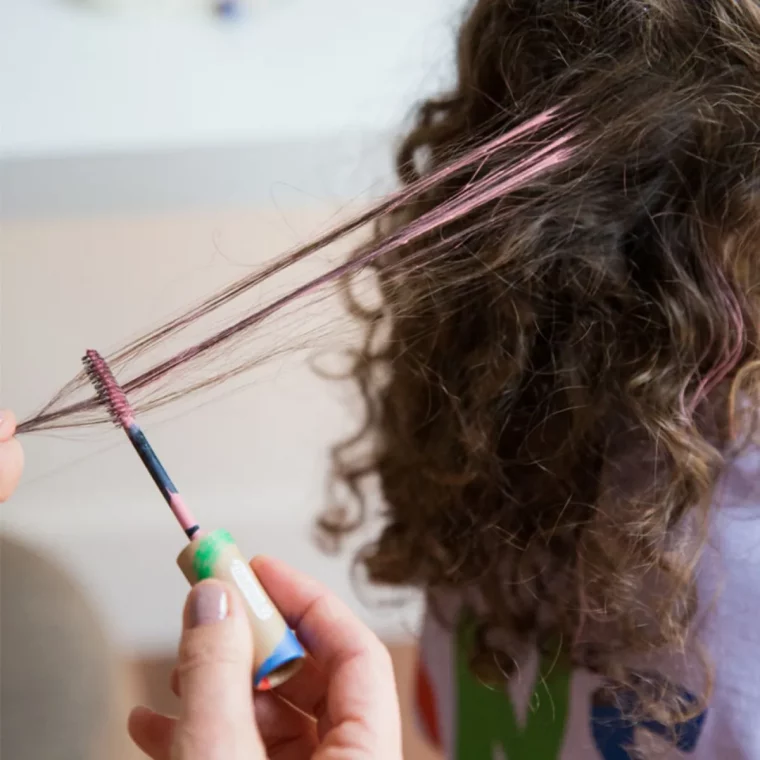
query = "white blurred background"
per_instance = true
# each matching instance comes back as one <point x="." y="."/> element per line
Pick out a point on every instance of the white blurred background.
<point x="150" y="152"/>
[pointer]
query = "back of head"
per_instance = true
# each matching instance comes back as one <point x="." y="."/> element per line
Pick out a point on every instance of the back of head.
<point x="611" y="306"/>
<point x="57" y="684"/>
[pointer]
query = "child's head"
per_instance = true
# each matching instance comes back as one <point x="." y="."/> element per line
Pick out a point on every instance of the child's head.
<point x="606" y="310"/>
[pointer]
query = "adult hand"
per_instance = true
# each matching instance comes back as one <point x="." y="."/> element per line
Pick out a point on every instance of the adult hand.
<point x="342" y="703"/>
<point x="11" y="455"/>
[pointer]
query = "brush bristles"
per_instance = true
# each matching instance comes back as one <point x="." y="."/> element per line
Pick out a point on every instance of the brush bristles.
<point x="108" y="390"/>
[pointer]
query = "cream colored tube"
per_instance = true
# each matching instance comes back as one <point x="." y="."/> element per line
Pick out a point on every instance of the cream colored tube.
<point x="277" y="653"/>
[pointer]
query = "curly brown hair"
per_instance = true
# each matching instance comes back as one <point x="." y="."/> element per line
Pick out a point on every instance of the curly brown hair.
<point x="610" y="309"/>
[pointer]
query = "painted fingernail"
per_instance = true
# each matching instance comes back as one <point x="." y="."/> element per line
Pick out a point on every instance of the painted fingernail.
<point x="208" y="604"/>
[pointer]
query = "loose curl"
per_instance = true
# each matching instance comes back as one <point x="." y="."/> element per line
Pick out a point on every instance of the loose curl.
<point x="608" y="310"/>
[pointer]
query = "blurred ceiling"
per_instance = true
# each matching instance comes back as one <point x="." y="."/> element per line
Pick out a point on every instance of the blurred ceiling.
<point x="77" y="80"/>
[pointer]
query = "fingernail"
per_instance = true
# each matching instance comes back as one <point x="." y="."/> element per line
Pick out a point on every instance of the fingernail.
<point x="208" y="604"/>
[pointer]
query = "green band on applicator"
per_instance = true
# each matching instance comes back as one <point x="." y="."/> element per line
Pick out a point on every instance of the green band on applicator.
<point x="209" y="548"/>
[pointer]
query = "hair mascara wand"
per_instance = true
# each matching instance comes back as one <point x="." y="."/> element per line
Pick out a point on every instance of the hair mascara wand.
<point x="114" y="399"/>
<point x="277" y="653"/>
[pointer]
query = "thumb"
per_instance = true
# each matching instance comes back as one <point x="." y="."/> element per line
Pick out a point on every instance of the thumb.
<point x="216" y="719"/>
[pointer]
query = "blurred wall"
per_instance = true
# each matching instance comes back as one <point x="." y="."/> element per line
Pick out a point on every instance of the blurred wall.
<point x="255" y="461"/>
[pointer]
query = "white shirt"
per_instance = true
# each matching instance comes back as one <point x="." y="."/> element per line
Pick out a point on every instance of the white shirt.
<point x="563" y="717"/>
